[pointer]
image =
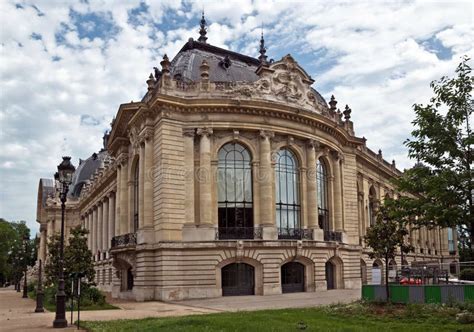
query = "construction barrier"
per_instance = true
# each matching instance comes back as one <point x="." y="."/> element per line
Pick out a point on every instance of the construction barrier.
<point x="419" y="293"/>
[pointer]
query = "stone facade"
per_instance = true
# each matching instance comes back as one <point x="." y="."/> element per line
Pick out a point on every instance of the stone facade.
<point x="153" y="206"/>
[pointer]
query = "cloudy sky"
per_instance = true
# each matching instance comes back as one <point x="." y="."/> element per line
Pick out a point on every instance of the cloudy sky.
<point x="65" y="67"/>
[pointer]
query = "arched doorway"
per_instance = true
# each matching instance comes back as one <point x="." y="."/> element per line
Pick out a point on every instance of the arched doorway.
<point x="292" y="277"/>
<point x="363" y="272"/>
<point x="129" y="279"/>
<point x="238" y="279"/>
<point x="377" y="273"/>
<point x="330" y="275"/>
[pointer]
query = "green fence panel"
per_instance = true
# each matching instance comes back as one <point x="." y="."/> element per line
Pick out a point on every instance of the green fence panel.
<point x="432" y="294"/>
<point x="469" y="293"/>
<point x="399" y="293"/>
<point x="368" y="292"/>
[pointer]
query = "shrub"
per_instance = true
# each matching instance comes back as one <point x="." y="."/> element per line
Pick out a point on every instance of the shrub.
<point x="94" y="295"/>
<point x="467" y="274"/>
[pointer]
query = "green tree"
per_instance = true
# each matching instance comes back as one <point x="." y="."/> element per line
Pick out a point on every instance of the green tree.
<point x="7" y="236"/>
<point x="385" y="236"/>
<point x="441" y="181"/>
<point x="77" y="258"/>
<point x="15" y="254"/>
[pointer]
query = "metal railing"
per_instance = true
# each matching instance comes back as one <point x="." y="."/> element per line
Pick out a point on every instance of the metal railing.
<point x="295" y="234"/>
<point x="332" y="236"/>
<point x="238" y="233"/>
<point x="124" y="240"/>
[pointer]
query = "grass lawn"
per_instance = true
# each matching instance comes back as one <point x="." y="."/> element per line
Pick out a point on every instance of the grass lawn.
<point x="352" y="317"/>
<point x="52" y="306"/>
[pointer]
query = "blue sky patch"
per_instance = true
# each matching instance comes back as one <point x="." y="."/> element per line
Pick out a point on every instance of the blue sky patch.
<point x="435" y="46"/>
<point x="94" y="25"/>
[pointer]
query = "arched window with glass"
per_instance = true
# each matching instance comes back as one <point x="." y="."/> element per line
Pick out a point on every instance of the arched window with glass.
<point x="322" y="183"/>
<point x="287" y="195"/>
<point x="235" y="201"/>
<point x="372" y="206"/>
<point x="136" y="195"/>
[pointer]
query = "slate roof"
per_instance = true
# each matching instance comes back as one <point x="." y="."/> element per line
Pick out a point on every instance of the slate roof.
<point x="84" y="171"/>
<point x="185" y="65"/>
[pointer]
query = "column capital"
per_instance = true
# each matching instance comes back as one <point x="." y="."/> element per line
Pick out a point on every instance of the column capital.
<point x="146" y="134"/>
<point x="204" y="131"/>
<point x="267" y="134"/>
<point x="337" y="155"/>
<point x="313" y="144"/>
<point x="111" y="194"/>
<point x="189" y="132"/>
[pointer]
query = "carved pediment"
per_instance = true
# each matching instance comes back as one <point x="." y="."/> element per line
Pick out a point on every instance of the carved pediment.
<point x="283" y="80"/>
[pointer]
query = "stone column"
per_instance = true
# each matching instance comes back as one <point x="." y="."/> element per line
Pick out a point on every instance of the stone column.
<point x="88" y="227"/>
<point x="117" y="230"/>
<point x="146" y="234"/>
<point x="112" y="212"/>
<point x="311" y="191"/>
<point x="204" y="228"/>
<point x="105" y="225"/>
<point x="205" y="185"/>
<point x="100" y="226"/>
<point x="337" y="192"/>
<point x="124" y="216"/>
<point x="141" y="180"/>
<point x="265" y="176"/>
<point x="148" y="181"/>
<point x="94" y="230"/>
<point x="189" y="174"/>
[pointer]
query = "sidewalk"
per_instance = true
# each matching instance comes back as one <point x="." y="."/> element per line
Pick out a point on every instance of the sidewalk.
<point x="17" y="314"/>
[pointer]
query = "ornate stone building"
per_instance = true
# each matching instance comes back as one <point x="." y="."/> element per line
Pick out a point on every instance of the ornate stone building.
<point x="231" y="176"/>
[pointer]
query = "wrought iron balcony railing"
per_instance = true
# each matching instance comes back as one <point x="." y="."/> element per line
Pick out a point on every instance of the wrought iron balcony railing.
<point x="295" y="234"/>
<point x="332" y="236"/>
<point x="238" y="233"/>
<point x="124" y="240"/>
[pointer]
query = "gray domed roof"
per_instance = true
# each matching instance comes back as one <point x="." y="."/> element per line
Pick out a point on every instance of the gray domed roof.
<point x="85" y="170"/>
<point x="224" y="65"/>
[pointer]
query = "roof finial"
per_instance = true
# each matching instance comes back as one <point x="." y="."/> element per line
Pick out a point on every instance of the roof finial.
<point x="202" y="38"/>
<point x="262" y="51"/>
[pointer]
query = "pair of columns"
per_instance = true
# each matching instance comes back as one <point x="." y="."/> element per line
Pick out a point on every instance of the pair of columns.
<point x="100" y="222"/>
<point x="266" y="176"/>
<point x="124" y="210"/>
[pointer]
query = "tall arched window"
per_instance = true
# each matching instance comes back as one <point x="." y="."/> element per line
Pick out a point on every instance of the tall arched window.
<point x="287" y="195"/>
<point x="323" y="194"/>
<point x="235" y="207"/>
<point x="372" y="205"/>
<point x="136" y="196"/>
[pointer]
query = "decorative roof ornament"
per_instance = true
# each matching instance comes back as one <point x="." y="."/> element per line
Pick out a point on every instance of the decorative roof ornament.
<point x="333" y="103"/>
<point x="347" y="113"/>
<point x="165" y="64"/>
<point x="262" y="51"/>
<point x="202" y="31"/>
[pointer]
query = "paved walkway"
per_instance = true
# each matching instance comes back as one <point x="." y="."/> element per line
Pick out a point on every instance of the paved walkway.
<point x="291" y="300"/>
<point x="17" y="314"/>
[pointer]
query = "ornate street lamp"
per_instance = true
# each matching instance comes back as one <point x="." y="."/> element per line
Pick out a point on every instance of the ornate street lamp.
<point x="64" y="178"/>
<point x="25" y="263"/>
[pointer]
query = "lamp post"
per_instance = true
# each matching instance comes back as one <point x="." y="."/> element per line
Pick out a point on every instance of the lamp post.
<point x="25" y="262"/>
<point x="64" y="178"/>
<point x="39" y="290"/>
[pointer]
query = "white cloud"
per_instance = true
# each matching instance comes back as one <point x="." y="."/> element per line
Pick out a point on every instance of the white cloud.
<point x="57" y="98"/>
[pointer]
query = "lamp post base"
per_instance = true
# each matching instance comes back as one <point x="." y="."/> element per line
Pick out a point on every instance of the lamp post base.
<point x="60" y="323"/>
<point x="39" y="302"/>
